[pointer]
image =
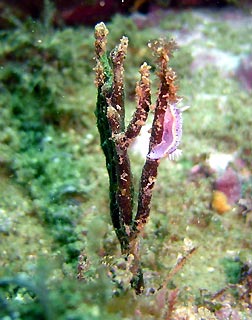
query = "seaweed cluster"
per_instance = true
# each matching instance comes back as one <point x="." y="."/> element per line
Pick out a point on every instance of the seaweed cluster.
<point x="115" y="138"/>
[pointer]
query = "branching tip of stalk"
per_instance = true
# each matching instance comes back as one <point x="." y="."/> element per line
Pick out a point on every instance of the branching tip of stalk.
<point x="163" y="48"/>
<point x="145" y="74"/>
<point x="123" y="46"/>
<point x="101" y="33"/>
<point x="120" y="51"/>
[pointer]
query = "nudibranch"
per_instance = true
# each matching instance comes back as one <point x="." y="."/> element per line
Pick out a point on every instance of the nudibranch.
<point x="172" y="133"/>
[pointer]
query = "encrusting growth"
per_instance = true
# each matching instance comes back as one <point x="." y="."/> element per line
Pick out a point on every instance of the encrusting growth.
<point x="116" y="138"/>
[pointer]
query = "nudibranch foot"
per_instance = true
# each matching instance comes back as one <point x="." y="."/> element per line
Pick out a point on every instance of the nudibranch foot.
<point x="157" y="152"/>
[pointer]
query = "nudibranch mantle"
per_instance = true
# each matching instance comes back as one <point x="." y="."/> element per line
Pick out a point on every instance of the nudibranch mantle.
<point x="172" y="133"/>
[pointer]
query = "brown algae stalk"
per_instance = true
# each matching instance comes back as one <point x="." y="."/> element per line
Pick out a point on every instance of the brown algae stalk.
<point x="116" y="138"/>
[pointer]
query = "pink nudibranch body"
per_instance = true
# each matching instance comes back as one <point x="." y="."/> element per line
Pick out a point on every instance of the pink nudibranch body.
<point x="172" y="133"/>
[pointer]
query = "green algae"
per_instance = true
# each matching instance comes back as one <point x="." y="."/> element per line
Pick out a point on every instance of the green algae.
<point x="20" y="242"/>
<point x="53" y="195"/>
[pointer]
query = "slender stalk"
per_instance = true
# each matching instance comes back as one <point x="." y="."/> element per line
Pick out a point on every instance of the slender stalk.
<point x="140" y="116"/>
<point x="166" y="96"/>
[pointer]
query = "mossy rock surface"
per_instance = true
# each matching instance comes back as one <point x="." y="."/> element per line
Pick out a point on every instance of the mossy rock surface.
<point x="54" y="203"/>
